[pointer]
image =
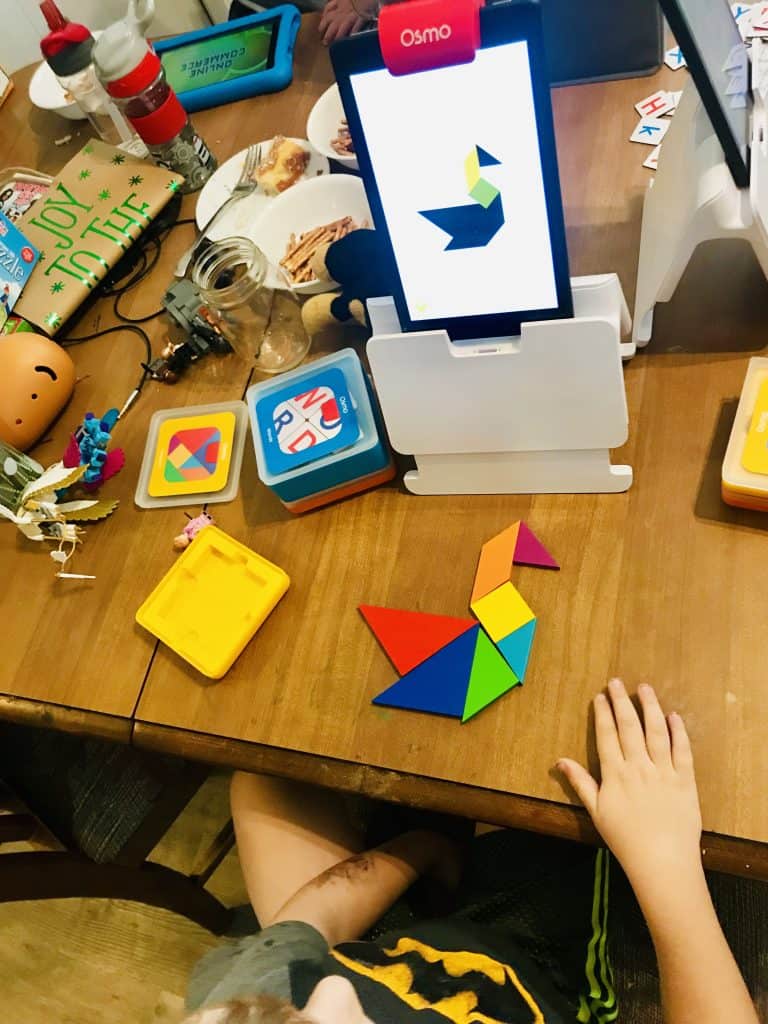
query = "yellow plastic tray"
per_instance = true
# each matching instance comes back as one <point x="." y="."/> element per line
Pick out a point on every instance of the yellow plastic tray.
<point x="210" y="604"/>
<point x="742" y="486"/>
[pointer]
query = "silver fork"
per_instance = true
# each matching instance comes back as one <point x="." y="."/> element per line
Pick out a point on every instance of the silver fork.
<point x="246" y="184"/>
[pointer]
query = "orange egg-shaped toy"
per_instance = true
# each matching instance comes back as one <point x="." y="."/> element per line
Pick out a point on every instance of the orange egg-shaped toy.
<point x="37" y="378"/>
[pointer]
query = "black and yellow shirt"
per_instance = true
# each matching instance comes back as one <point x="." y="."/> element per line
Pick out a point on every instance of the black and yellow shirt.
<point x="451" y="970"/>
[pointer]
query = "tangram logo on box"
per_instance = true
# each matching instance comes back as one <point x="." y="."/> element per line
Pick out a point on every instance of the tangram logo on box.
<point x="472" y="226"/>
<point x="193" y="454"/>
<point x="454" y="666"/>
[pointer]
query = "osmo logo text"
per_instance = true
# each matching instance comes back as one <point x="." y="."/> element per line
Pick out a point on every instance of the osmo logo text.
<point x="424" y="36"/>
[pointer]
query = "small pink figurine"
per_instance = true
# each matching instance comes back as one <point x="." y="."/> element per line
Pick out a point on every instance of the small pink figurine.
<point x="193" y="527"/>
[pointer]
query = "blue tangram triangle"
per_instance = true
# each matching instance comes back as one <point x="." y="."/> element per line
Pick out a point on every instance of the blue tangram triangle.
<point x="439" y="684"/>
<point x="471" y="226"/>
<point x="485" y="158"/>
<point x="516" y="648"/>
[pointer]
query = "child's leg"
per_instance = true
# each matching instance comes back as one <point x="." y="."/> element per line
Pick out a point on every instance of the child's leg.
<point x="287" y="834"/>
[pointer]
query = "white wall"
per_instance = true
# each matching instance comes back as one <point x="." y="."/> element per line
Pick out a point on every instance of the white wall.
<point x="23" y="25"/>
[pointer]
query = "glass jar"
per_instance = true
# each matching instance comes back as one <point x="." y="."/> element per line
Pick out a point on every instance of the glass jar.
<point x="259" y="323"/>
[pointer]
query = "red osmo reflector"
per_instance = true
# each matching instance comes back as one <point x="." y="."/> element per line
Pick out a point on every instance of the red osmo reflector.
<point x="425" y="34"/>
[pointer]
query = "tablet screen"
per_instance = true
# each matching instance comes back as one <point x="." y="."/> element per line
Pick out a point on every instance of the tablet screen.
<point x="221" y="57"/>
<point x="460" y="169"/>
<point x="455" y="153"/>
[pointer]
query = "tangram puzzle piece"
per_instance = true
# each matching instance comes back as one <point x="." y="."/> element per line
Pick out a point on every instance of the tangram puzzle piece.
<point x="409" y="638"/>
<point x="495" y="564"/>
<point x="530" y="551"/>
<point x="502" y="612"/>
<point x="490" y="677"/>
<point x="516" y="648"/>
<point x="517" y="545"/>
<point x="439" y="684"/>
<point x="451" y="666"/>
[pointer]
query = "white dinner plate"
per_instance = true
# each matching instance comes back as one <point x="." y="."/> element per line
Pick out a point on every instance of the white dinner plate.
<point x="245" y="212"/>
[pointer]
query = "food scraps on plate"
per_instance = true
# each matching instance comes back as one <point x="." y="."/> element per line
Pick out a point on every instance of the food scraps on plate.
<point x="285" y="162"/>
<point x="299" y="262"/>
<point x="343" y="144"/>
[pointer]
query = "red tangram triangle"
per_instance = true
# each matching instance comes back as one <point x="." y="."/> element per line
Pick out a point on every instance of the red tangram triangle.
<point x="530" y="551"/>
<point x="409" y="638"/>
<point x="194" y="439"/>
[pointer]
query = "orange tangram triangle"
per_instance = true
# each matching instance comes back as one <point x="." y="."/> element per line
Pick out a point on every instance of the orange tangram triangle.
<point x="409" y="638"/>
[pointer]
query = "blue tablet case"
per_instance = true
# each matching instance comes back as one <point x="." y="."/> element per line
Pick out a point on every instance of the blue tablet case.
<point x="272" y="79"/>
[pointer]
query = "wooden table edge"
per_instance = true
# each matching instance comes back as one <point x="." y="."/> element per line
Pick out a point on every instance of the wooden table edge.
<point x="721" y="853"/>
<point x="77" y="721"/>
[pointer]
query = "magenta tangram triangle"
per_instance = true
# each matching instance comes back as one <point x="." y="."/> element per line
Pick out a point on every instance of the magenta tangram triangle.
<point x="530" y="551"/>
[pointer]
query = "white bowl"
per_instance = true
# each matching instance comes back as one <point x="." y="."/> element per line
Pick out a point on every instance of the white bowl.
<point x="323" y="125"/>
<point x="305" y="206"/>
<point x="46" y="93"/>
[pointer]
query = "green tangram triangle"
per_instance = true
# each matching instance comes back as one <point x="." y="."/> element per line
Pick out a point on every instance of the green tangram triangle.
<point x="490" y="678"/>
<point x="172" y="474"/>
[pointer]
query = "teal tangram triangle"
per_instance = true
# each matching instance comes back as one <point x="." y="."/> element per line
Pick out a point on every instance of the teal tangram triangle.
<point x="439" y="684"/>
<point x="516" y="648"/>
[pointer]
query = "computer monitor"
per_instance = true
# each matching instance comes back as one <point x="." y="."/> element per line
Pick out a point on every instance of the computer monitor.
<point x="460" y="170"/>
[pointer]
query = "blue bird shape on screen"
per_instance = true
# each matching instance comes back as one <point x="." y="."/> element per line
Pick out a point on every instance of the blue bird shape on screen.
<point x="473" y="225"/>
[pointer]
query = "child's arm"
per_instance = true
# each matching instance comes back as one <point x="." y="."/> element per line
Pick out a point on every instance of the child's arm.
<point x="343" y="902"/>
<point x="647" y="810"/>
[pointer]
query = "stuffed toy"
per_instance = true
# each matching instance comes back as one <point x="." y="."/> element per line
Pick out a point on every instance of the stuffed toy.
<point x="362" y="270"/>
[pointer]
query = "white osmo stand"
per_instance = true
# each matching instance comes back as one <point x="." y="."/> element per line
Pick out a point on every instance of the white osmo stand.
<point x="534" y="414"/>
<point x="693" y="199"/>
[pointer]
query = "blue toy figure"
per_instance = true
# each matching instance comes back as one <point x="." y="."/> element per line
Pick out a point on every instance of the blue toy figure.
<point x="88" y="447"/>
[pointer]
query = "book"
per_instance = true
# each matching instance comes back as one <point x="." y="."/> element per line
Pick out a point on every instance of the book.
<point x="20" y="190"/>
<point x="17" y="261"/>
<point x="94" y="211"/>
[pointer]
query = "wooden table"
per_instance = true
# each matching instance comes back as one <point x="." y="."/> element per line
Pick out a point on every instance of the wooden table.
<point x="663" y="583"/>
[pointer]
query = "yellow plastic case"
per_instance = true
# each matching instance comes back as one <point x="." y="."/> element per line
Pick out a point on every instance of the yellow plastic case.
<point x="213" y="600"/>
<point x="745" y="466"/>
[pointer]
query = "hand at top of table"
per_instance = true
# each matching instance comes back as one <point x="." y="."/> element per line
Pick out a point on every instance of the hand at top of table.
<point x="646" y="806"/>
<point x="341" y="18"/>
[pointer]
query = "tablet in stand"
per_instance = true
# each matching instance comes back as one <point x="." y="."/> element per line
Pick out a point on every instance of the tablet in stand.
<point x="711" y="177"/>
<point x="494" y="400"/>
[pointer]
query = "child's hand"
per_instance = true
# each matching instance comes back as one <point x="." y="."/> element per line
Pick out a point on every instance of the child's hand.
<point x="646" y="807"/>
<point x="341" y="18"/>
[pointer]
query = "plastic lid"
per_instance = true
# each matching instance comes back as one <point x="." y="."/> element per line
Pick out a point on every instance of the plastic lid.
<point x="119" y="50"/>
<point x="137" y="79"/>
<point x="71" y="58"/>
<point x="70" y="35"/>
<point x="53" y="16"/>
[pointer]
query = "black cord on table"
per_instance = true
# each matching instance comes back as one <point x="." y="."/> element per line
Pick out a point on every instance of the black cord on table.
<point x="146" y="264"/>
<point x="113" y="330"/>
